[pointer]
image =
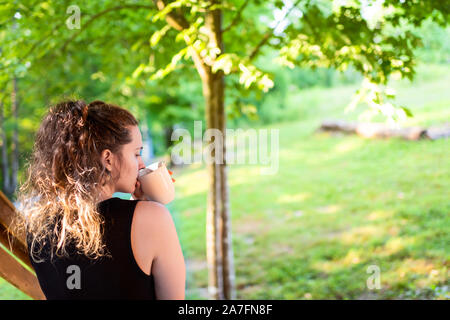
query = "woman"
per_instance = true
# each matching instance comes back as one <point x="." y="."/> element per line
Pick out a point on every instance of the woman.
<point x="83" y="243"/>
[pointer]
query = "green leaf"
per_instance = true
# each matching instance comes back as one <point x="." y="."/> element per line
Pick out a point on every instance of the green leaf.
<point x="156" y="37"/>
<point x="138" y="70"/>
<point x="408" y="112"/>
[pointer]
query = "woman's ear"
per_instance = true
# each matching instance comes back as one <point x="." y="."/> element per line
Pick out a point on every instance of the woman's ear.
<point x="107" y="159"/>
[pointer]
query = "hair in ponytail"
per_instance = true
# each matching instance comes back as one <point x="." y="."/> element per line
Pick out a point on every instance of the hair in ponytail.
<point x="58" y="201"/>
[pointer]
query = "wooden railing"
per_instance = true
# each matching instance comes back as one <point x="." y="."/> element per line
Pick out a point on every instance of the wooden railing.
<point x="10" y="268"/>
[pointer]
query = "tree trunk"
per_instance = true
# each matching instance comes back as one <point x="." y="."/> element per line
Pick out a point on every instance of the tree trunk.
<point x="218" y="232"/>
<point x="5" y="163"/>
<point x="168" y="136"/>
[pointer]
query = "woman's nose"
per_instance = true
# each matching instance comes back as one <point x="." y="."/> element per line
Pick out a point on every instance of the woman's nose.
<point x="141" y="164"/>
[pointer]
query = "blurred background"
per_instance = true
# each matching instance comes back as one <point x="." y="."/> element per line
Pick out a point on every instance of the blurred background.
<point x="338" y="204"/>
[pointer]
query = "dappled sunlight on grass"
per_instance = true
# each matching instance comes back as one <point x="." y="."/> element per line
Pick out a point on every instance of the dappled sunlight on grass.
<point x="348" y="145"/>
<point x="293" y="198"/>
<point x="243" y="175"/>
<point x="250" y="224"/>
<point x="191" y="182"/>
<point x="416" y="266"/>
<point x="336" y="205"/>
<point x="359" y="235"/>
<point x="353" y="256"/>
<point x="192" y="212"/>
<point x="380" y="215"/>
<point x="394" y="245"/>
<point x="329" y="209"/>
<point x="417" y="273"/>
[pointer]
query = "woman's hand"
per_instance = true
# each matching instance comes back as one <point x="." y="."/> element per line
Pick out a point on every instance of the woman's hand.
<point x="138" y="194"/>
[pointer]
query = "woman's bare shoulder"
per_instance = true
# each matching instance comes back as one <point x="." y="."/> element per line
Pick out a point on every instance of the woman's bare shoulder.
<point x="152" y="216"/>
<point x="158" y="250"/>
<point x="151" y="223"/>
<point x="145" y="207"/>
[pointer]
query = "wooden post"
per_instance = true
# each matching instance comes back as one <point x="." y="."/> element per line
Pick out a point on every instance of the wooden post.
<point x="10" y="268"/>
<point x="15" y="243"/>
<point x="12" y="271"/>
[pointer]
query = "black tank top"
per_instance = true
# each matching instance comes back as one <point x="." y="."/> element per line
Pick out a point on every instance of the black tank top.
<point x="114" y="277"/>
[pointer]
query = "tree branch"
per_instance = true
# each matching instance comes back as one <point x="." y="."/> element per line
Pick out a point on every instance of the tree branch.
<point x="269" y="34"/>
<point x="94" y="17"/>
<point x="174" y="20"/>
<point x="237" y="17"/>
<point x="50" y="34"/>
<point x="180" y="23"/>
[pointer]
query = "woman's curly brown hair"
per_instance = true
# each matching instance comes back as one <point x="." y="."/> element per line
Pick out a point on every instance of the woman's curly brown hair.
<point x="58" y="201"/>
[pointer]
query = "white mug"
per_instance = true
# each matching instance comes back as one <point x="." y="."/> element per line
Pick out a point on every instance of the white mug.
<point x="157" y="184"/>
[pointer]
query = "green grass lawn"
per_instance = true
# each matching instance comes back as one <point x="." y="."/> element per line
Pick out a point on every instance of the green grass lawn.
<point x="9" y="292"/>
<point x="337" y="205"/>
